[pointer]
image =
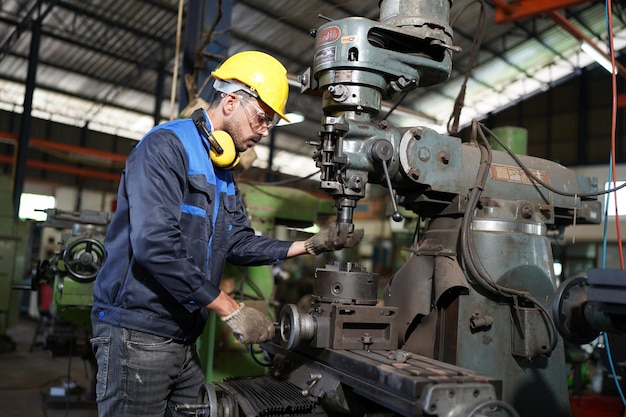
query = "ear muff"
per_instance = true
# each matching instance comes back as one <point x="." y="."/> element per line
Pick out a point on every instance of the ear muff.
<point x="223" y="152"/>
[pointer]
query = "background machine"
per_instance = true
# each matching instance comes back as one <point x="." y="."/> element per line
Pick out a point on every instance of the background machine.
<point x="465" y="328"/>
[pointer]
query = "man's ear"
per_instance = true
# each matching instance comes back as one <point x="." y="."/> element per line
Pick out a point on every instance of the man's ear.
<point x="229" y="104"/>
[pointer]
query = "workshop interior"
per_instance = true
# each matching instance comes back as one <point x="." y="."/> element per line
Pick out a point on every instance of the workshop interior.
<point x="479" y="144"/>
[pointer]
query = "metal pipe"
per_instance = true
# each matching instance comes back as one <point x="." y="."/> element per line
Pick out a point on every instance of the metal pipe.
<point x="21" y="151"/>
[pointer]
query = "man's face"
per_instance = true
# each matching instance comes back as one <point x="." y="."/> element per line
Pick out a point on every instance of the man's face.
<point x="250" y="122"/>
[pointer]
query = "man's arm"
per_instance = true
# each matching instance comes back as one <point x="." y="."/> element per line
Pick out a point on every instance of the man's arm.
<point x="297" y="248"/>
<point x="223" y="305"/>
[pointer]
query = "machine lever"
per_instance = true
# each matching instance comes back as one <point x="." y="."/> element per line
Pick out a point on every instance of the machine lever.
<point x="396" y="216"/>
<point x="382" y="151"/>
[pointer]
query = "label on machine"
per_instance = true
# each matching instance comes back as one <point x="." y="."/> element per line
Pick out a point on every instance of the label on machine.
<point x="516" y="174"/>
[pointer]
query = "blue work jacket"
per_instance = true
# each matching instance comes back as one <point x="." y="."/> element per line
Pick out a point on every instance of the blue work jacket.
<point x="178" y="220"/>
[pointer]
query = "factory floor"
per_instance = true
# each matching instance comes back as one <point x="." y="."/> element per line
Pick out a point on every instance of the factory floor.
<point x="27" y="379"/>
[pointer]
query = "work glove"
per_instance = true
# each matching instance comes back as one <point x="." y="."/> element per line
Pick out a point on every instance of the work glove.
<point x="249" y="325"/>
<point x="333" y="237"/>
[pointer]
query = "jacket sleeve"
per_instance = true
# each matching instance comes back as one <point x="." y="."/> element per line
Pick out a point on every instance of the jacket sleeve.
<point x="248" y="248"/>
<point x="156" y="176"/>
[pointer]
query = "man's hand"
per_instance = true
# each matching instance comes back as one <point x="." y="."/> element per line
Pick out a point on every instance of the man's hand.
<point x="334" y="237"/>
<point x="250" y="325"/>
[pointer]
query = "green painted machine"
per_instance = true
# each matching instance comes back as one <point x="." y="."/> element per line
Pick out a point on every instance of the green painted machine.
<point x="67" y="278"/>
<point x="14" y="258"/>
<point x="74" y="267"/>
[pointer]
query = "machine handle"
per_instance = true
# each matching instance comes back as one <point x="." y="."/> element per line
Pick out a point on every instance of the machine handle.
<point x="383" y="151"/>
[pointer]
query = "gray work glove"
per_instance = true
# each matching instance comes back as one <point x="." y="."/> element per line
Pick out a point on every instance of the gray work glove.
<point x="334" y="237"/>
<point x="250" y="325"/>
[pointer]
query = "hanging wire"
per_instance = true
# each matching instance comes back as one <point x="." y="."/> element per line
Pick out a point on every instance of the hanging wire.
<point x="538" y="180"/>
<point x="613" y="177"/>
<point x="609" y="15"/>
<point x="604" y="251"/>
<point x="453" y="121"/>
<point x="179" y="25"/>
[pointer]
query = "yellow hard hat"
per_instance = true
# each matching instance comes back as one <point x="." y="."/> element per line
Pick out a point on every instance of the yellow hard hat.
<point x="262" y="73"/>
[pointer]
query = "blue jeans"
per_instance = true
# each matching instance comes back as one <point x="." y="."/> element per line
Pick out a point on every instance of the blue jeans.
<point x="140" y="374"/>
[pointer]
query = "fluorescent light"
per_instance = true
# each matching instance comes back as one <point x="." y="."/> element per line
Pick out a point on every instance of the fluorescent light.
<point x="293" y="119"/>
<point x="599" y="58"/>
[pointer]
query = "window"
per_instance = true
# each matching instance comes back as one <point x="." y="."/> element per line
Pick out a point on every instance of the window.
<point x="32" y="206"/>
<point x="610" y="198"/>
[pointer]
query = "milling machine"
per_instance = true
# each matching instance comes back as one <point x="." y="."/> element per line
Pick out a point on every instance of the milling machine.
<point x="69" y="275"/>
<point x="465" y="328"/>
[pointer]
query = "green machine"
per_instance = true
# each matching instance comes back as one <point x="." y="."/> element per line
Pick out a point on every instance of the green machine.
<point x="271" y="209"/>
<point x="14" y="257"/>
<point x="70" y="274"/>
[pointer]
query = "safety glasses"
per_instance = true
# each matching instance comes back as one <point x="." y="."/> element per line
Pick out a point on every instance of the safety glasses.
<point x="261" y="122"/>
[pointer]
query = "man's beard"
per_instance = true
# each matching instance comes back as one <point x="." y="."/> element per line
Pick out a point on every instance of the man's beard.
<point x="236" y="132"/>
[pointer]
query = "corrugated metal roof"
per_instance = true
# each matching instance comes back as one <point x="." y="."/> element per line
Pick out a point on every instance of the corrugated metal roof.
<point x="99" y="61"/>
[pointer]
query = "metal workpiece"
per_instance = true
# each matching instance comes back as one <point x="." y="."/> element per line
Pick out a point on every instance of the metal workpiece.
<point x="343" y="314"/>
<point x="345" y="283"/>
<point x="338" y="326"/>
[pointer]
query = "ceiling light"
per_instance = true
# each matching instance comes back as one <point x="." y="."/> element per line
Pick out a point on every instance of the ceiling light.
<point x="293" y="119"/>
<point x="593" y="52"/>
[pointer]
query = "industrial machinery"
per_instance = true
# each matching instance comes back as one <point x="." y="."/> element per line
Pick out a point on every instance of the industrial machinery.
<point x="73" y="268"/>
<point x="70" y="273"/>
<point x="271" y="210"/>
<point x="14" y="248"/>
<point x="591" y="303"/>
<point x="465" y="328"/>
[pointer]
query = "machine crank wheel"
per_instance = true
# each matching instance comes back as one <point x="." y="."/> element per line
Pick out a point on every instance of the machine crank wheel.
<point x="208" y="396"/>
<point x="486" y="408"/>
<point x="289" y="327"/>
<point x="568" y="311"/>
<point x="295" y="327"/>
<point x="83" y="258"/>
<point x="205" y="406"/>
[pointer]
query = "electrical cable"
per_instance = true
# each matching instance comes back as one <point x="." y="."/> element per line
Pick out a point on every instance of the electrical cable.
<point x="538" y="180"/>
<point x="453" y="121"/>
<point x="283" y="182"/>
<point x="395" y="106"/>
<point x="179" y="25"/>
<point x="614" y="125"/>
<point x="613" y="176"/>
<point x="471" y="261"/>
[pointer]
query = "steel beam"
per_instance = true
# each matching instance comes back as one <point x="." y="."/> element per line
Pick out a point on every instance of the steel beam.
<point x="206" y="43"/>
<point x="21" y="150"/>
<point x="522" y="9"/>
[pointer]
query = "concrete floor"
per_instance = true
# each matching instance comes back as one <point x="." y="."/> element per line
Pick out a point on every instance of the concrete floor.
<point x="26" y="379"/>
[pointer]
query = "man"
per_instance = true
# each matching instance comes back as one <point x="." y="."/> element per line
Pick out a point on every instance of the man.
<point x="179" y="218"/>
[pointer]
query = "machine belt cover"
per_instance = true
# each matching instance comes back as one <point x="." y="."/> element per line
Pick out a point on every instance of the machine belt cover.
<point x="267" y="396"/>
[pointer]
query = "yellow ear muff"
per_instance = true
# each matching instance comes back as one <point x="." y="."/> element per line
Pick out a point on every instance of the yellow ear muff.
<point x="228" y="158"/>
